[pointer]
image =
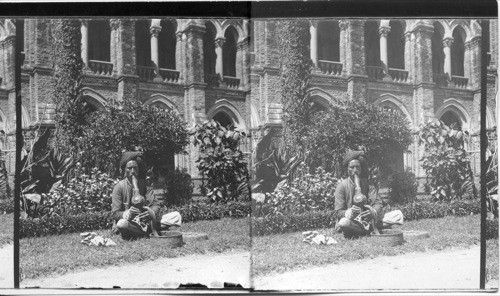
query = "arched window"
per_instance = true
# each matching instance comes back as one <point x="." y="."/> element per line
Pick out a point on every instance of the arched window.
<point x="372" y="44"/>
<point x="396" y="46"/>
<point x="209" y="56"/>
<point x="229" y="52"/>
<point x="142" y="43"/>
<point x="329" y="41"/>
<point x="224" y="119"/>
<point x="452" y="120"/>
<point x="437" y="49"/>
<point x="166" y="45"/>
<point x="99" y="40"/>
<point x="457" y="52"/>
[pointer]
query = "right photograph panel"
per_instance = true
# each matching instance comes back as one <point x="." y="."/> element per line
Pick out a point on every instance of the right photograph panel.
<point x="366" y="166"/>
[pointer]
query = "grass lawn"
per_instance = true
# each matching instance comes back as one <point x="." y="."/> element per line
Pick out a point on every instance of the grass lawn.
<point x="285" y="252"/>
<point x="6" y="229"/>
<point x="491" y="259"/>
<point x="60" y="254"/>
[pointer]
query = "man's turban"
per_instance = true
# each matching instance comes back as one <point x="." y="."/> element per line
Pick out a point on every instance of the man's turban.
<point x="133" y="155"/>
<point x="359" y="155"/>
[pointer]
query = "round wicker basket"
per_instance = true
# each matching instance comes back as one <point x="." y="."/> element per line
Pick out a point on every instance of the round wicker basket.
<point x="173" y="239"/>
<point x="388" y="237"/>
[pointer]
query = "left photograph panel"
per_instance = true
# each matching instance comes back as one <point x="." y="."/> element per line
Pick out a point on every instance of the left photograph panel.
<point x="136" y="152"/>
<point x="7" y="151"/>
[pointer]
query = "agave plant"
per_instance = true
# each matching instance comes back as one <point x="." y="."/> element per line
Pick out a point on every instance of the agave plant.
<point x="44" y="168"/>
<point x="492" y="183"/>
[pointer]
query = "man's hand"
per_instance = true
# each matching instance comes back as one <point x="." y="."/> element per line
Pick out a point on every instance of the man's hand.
<point x="131" y="213"/>
<point x="366" y="214"/>
<point x="349" y="214"/>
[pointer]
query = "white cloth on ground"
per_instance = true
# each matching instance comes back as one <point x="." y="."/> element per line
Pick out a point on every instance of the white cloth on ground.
<point x="92" y="239"/>
<point x="393" y="217"/>
<point x="314" y="237"/>
<point x="171" y="219"/>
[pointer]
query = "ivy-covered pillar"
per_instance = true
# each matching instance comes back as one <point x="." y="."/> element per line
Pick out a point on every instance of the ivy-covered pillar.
<point x="194" y="102"/>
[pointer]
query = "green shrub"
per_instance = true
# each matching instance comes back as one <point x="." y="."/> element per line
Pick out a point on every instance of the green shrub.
<point x="221" y="162"/>
<point x="446" y="164"/>
<point x="402" y="187"/>
<point x="383" y="134"/>
<point x="279" y="223"/>
<point x="178" y="187"/>
<point x="82" y="194"/>
<point x="491" y="228"/>
<point x="6" y="206"/>
<point x="304" y="193"/>
<point x="59" y="224"/>
<point x="210" y="211"/>
<point x="161" y="133"/>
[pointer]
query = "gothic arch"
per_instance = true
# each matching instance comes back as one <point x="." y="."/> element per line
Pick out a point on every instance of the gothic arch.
<point x="218" y="28"/>
<point x="254" y="116"/>
<point x="323" y="98"/>
<point x="160" y="98"/>
<point x="391" y="100"/>
<point x="462" y="24"/>
<point x="25" y="119"/>
<point x="490" y="118"/>
<point x="241" y="32"/>
<point x="228" y="109"/>
<point x="457" y="109"/>
<point x="94" y="98"/>
<point x="3" y="122"/>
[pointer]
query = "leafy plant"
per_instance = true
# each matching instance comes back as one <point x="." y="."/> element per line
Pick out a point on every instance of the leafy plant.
<point x="161" y="133"/>
<point x="4" y="179"/>
<point x="82" y="194"/>
<point x="295" y="68"/>
<point x="402" y="187"/>
<point x="492" y="183"/>
<point x="178" y="187"/>
<point x="305" y="192"/>
<point x="356" y="125"/>
<point x="221" y="162"/>
<point x="275" y="169"/>
<point x="44" y="168"/>
<point x="448" y="172"/>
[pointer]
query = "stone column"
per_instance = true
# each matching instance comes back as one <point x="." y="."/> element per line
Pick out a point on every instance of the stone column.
<point x="243" y="63"/>
<point x="154" y="31"/>
<point x="409" y="55"/>
<point x="447" y="55"/>
<point x="194" y="97"/>
<point x="314" y="42"/>
<point x="343" y="25"/>
<point x="219" y="43"/>
<point x="472" y="61"/>
<point x="85" y="44"/>
<point x="124" y="56"/>
<point x="383" y="31"/>
<point x="354" y="65"/>
<point x="179" y="55"/>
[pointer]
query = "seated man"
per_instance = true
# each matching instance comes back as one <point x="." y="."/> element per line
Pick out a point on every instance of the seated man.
<point x="122" y="211"/>
<point x="352" y="220"/>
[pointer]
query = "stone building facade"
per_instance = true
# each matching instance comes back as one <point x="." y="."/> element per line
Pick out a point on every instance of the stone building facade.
<point x="228" y="70"/>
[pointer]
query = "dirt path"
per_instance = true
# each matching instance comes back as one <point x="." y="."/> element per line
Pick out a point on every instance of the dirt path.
<point x="455" y="269"/>
<point x="7" y="266"/>
<point x="210" y="270"/>
<point x="452" y="269"/>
